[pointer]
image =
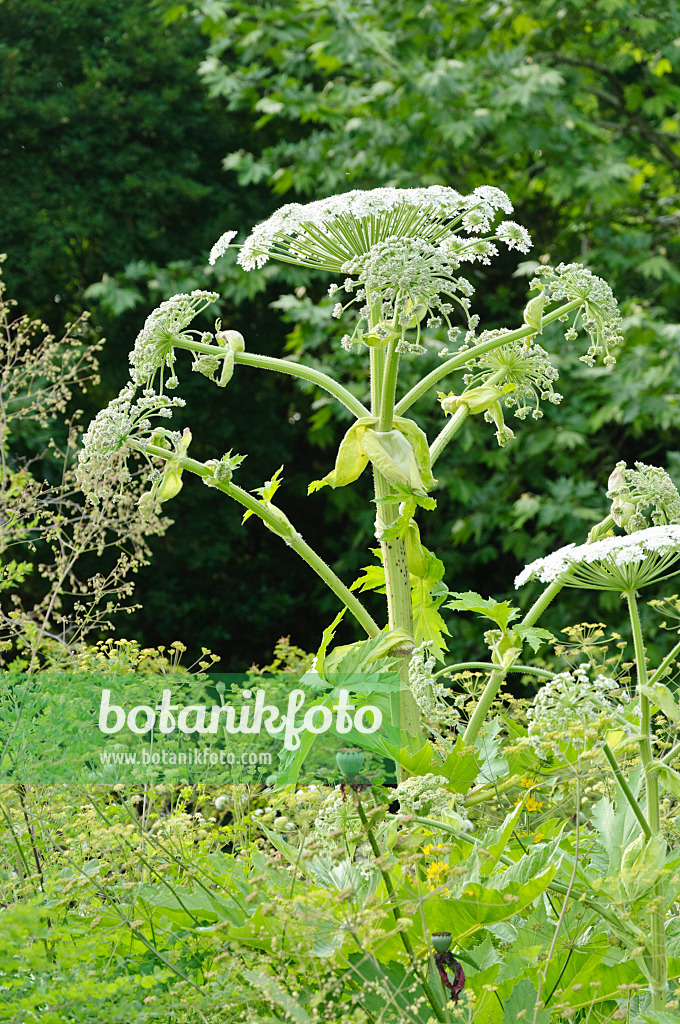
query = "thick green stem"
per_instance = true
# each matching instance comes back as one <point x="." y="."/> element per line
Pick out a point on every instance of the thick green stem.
<point x="292" y="538"/>
<point x="658" y="945"/>
<point x="384" y="367"/>
<point x="485" y="701"/>
<point x="285" y="366"/>
<point x="456" y="362"/>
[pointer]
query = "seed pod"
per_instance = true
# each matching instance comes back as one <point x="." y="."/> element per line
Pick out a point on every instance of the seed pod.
<point x="441" y="941"/>
<point x="350" y="762"/>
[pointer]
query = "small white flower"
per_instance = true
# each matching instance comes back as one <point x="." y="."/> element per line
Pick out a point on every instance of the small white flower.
<point x="221" y="246"/>
<point x="122" y="427"/>
<point x="514" y="236"/>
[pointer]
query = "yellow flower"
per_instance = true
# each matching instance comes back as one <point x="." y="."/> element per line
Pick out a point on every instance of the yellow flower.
<point x="532" y="804"/>
<point x="434" y="873"/>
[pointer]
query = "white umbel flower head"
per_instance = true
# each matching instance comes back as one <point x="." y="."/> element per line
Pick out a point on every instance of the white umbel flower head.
<point x="162" y="330"/>
<point x="620" y="564"/>
<point x="328" y="233"/>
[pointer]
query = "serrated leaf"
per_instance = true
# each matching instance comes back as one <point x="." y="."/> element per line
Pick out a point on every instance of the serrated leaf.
<point x="533" y="636"/>
<point x="500" y="612"/>
<point x="662" y="697"/>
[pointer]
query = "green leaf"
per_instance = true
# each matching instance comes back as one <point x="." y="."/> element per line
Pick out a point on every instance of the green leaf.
<point x="662" y="697"/>
<point x="533" y="636"/>
<point x="477" y="907"/>
<point x="351" y="459"/>
<point x="521" y="1004"/>
<point x="500" y="612"/>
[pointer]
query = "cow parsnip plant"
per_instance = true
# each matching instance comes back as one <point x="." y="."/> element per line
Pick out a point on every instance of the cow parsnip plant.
<point x="598" y="878"/>
<point x="397" y="254"/>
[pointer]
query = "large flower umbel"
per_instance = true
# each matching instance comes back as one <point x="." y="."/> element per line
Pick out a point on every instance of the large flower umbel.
<point x="328" y="233"/>
<point x="620" y="564"/>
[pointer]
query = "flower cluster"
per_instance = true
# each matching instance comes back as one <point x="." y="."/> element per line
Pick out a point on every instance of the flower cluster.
<point x="428" y="693"/>
<point x="336" y="815"/>
<point x="221" y="246"/>
<point x="326" y="234"/>
<point x="620" y="564"/>
<point x="410" y="279"/>
<point x="526" y="367"/>
<point x="423" y="794"/>
<point x="599" y="311"/>
<point x="162" y="330"/>
<point x="122" y="427"/>
<point x="571" y="714"/>
<point x="633" y="490"/>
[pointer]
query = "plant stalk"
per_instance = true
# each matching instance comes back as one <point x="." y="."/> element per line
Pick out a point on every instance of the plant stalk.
<point x="384" y="366"/>
<point x="293" y="539"/>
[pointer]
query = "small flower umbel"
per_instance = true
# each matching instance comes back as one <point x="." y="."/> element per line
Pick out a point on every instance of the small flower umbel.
<point x="571" y="715"/>
<point x="525" y="366"/>
<point x="407" y="280"/>
<point x="123" y="427"/>
<point x="163" y="329"/>
<point x="599" y="311"/>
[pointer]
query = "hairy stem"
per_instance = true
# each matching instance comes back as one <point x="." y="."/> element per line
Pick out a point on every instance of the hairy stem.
<point x="285" y="366"/>
<point x="293" y="539"/>
<point x="384" y="367"/>
<point x="627" y="791"/>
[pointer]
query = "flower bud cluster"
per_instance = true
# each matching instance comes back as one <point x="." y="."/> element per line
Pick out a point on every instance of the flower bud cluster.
<point x="336" y="815"/>
<point x="428" y="693"/>
<point x="162" y="330"/>
<point x="122" y="427"/>
<point x="633" y="491"/>
<point x="525" y="367"/>
<point x="571" y="714"/>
